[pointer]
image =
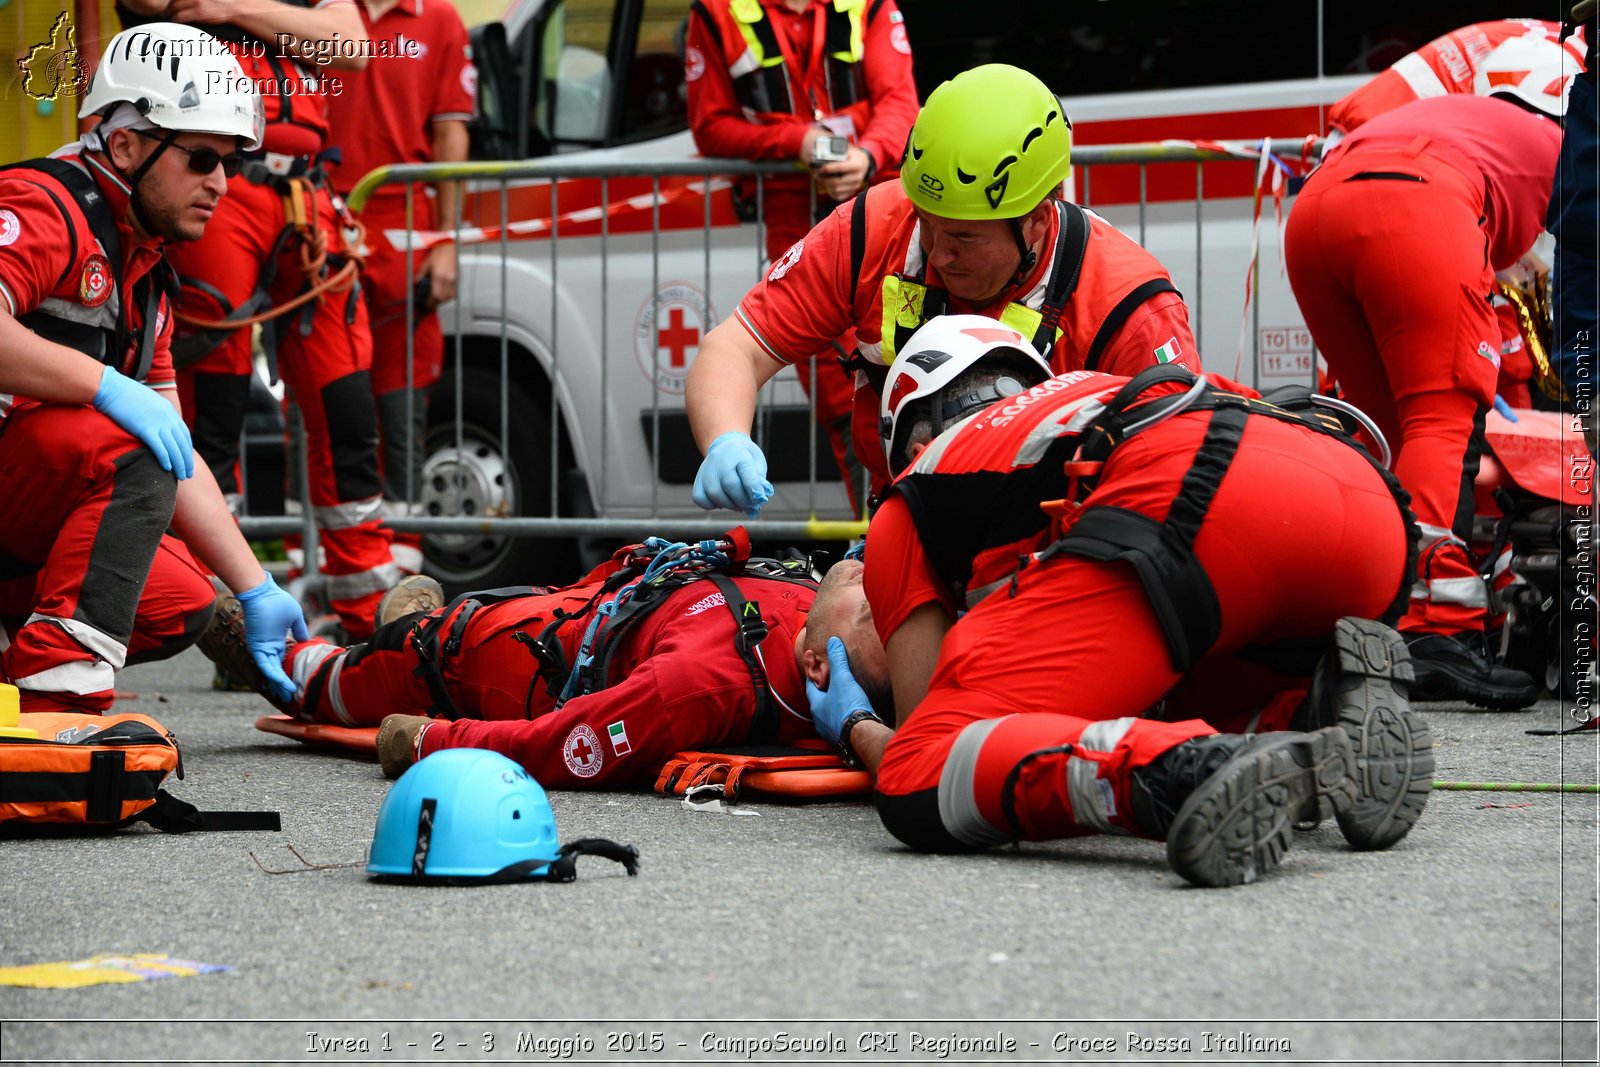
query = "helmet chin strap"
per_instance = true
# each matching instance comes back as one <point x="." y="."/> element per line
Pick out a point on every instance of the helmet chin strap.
<point x="1029" y="257"/>
<point x="133" y="181"/>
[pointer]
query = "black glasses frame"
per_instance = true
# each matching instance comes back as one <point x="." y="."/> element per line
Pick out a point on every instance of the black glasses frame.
<point x="203" y="159"/>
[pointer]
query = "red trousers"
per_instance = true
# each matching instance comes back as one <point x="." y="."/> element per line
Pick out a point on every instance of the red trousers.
<point x="1045" y="702"/>
<point x="1394" y="280"/>
<point x="385" y="279"/>
<point x="89" y="581"/>
<point x="325" y="355"/>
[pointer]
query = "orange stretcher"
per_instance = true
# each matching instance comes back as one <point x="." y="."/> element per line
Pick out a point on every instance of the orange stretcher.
<point x="361" y="740"/>
<point x="751" y="772"/>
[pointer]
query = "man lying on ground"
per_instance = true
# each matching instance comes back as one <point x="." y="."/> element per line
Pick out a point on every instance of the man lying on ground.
<point x="577" y="695"/>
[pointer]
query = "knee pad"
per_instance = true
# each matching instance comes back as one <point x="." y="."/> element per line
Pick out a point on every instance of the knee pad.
<point x="913" y="818"/>
<point x="352" y="426"/>
<point x="219" y="406"/>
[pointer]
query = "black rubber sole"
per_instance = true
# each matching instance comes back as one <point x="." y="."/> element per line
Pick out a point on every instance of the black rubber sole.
<point x="1439" y="681"/>
<point x="1392" y="743"/>
<point x="1237" y="825"/>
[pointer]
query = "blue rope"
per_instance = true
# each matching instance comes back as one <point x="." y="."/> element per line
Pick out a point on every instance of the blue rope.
<point x="667" y="558"/>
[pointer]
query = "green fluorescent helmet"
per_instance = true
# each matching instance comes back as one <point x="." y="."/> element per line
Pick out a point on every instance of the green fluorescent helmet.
<point x="990" y="143"/>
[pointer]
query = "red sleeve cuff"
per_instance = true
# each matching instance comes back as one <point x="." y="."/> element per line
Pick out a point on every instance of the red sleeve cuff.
<point x="434" y="738"/>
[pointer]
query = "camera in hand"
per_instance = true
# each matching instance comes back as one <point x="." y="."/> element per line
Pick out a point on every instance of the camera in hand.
<point x="829" y="150"/>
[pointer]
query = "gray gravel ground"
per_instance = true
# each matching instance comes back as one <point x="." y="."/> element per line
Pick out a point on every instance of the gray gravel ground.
<point x="804" y="934"/>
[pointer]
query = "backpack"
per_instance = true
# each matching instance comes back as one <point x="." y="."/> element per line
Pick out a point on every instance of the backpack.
<point x="101" y="771"/>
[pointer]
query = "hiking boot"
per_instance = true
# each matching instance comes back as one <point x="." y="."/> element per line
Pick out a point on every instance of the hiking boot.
<point x="415" y="594"/>
<point x="1361" y="686"/>
<point x="224" y="644"/>
<point x="1225" y="803"/>
<point x="397" y="742"/>
<point x="1458" y="667"/>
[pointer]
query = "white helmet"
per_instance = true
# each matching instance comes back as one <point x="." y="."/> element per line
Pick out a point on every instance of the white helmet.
<point x="180" y="78"/>
<point x="1533" y="68"/>
<point x="940" y="352"/>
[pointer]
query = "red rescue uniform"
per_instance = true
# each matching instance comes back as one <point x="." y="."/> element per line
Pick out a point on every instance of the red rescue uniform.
<point x="1391" y="251"/>
<point x="678" y="683"/>
<point x="814" y="293"/>
<point x="324" y="348"/>
<point x="89" y="580"/>
<point x="1443" y="66"/>
<point x="1061" y="680"/>
<point x="385" y="115"/>
<point x="844" y="66"/>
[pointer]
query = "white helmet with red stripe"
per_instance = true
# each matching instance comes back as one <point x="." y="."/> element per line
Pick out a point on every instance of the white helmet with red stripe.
<point x="180" y="78"/>
<point x="1533" y="69"/>
<point x="941" y="351"/>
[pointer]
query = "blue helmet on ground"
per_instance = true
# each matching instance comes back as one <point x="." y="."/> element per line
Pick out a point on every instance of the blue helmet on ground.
<point x="468" y="815"/>
<point x="464" y="813"/>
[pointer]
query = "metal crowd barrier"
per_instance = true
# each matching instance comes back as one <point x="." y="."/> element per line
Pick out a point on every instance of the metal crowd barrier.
<point x="487" y="247"/>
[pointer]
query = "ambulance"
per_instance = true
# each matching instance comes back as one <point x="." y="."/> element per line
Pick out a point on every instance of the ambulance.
<point x="595" y="292"/>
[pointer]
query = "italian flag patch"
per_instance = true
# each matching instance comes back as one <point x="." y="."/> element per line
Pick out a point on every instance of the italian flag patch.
<point x="1169" y="352"/>
<point x="618" y="733"/>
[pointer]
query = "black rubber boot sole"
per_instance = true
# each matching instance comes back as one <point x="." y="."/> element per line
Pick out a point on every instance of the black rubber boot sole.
<point x="1238" y="823"/>
<point x="1366" y="697"/>
<point x="1441" y="681"/>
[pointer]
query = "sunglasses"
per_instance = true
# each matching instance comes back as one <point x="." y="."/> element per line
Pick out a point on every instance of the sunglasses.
<point x="202" y="160"/>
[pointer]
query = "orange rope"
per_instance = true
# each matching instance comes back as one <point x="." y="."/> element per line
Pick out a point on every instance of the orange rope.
<point x="313" y="249"/>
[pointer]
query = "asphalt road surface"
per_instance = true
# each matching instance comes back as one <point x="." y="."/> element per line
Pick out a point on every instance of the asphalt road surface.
<point x="805" y="934"/>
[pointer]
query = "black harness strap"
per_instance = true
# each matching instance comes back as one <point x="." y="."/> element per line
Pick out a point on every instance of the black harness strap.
<point x="750" y="631"/>
<point x="1066" y="267"/>
<point x="858" y="240"/>
<point x="432" y="652"/>
<point x="72" y="232"/>
<point x="1162" y="554"/>
<point x="876" y="373"/>
<point x="108" y="346"/>
<point x="1120" y="314"/>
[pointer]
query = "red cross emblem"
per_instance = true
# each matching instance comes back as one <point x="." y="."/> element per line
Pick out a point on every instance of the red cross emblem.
<point x="677" y="339"/>
<point x="582" y="751"/>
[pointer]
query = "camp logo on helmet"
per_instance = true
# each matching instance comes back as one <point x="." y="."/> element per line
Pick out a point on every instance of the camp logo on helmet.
<point x="94" y="288"/>
<point x="581" y="751"/>
<point x="996" y="190"/>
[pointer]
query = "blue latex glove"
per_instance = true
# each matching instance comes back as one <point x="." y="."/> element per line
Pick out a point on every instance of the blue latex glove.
<point x="1503" y="408"/>
<point x="269" y="612"/>
<point x="830" y="707"/>
<point x="857" y="551"/>
<point x="733" y="476"/>
<point x="142" y="412"/>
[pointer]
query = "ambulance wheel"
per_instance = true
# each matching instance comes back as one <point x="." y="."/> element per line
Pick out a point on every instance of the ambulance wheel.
<point x="476" y="476"/>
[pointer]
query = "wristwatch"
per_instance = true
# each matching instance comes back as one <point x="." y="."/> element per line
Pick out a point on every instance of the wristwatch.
<point x="850" y="721"/>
